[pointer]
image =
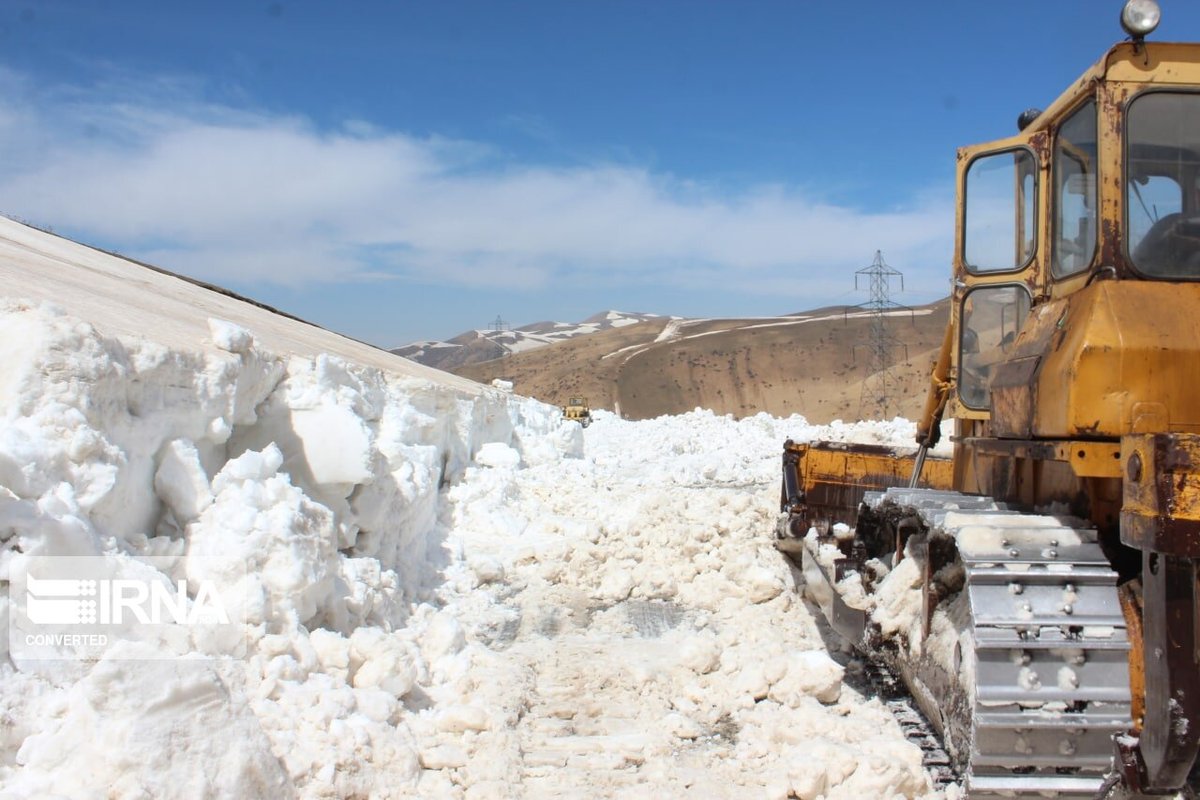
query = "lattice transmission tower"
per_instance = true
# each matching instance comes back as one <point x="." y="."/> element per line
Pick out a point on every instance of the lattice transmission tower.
<point x="498" y="325"/>
<point x="877" y="400"/>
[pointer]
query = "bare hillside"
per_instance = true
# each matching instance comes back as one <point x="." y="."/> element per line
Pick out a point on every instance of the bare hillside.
<point x="473" y="347"/>
<point x="812" y="364"/>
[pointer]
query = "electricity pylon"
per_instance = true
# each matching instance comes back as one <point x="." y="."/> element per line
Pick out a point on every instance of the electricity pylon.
<point x="876" y="400"/>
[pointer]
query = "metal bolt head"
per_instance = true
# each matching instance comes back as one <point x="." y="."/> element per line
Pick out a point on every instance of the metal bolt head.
<point x="1133" y="468"/>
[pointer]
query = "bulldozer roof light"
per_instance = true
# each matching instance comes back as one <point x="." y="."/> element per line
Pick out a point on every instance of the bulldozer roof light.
<point x="1140" y="17"/>
<point x="1027" y="117"/>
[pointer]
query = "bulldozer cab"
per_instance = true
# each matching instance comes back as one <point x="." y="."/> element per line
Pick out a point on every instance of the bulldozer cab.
<point x="1103" y="185"/>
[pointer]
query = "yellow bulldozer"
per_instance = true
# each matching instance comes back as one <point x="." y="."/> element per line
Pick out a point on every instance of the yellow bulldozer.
<point x="577" y="410"/>
<point x="1037" y="592"/>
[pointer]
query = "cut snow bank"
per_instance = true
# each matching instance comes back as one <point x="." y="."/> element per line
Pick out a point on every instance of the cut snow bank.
<point x="315" y="479"/>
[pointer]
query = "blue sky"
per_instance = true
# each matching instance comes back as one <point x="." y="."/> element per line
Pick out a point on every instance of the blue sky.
<point x="408" y="170"/>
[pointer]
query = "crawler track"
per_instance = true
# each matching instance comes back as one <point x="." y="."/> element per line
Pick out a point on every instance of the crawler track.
<point x="1023" y="670"/>
<point x="876" y="680"/>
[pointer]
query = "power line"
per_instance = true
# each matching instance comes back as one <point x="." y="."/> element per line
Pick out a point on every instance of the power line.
<point x="880" y="385"/>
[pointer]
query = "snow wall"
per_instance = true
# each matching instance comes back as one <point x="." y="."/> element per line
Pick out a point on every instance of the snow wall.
<point x="321" y="475"/>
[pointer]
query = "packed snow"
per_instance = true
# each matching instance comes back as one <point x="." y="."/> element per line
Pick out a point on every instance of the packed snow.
<point x="445" y="593"/>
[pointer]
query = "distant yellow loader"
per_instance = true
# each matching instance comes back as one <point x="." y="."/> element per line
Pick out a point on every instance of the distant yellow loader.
<point x="577" y="409"/>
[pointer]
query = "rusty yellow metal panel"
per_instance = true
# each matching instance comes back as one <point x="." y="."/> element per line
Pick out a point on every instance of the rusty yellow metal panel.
<point x="1119" y="350"/>
<point x="1093" y="459"/>
<point x="835" y="475"/>
<point x="1131" y="608"/>
<point x="1154" y="62"/>
<point x="1015" y="384"/>
<point x="1160" y="512"/>
<point x="1147" y="62"/>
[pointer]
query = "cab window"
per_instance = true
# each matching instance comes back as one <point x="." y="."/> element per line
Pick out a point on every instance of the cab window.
<point x="1075" y="182"/>
<point x="998" y="216"/>
<point x="1151" y="198"/>
<point x="1162" y="188"/>
<point x="991" y="318"/>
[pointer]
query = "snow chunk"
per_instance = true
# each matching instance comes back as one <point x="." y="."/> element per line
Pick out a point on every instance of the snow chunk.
<point x="268" y="548"/>
<point x="700" y="654"/>
<point x="174" y="721"/>
<point x="230" y="337"/>
<point x="808" y="674"/>
<point x="460" y="718"/>
<point x="335" y="443"/>
<point x="385" y="662"/>
<point x="443" y="756"/>
<point x="898" y="600"/>
<point x="498" y="454"/>
<point x="181" y="482"/>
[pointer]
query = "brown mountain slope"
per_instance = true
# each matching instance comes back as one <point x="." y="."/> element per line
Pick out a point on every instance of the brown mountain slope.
<point x="812" y="364"/>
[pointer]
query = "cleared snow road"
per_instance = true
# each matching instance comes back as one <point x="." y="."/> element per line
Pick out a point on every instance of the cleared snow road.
<point x="645" y="632"/>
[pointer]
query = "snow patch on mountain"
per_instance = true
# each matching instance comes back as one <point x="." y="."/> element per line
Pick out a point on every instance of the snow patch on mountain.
<point x="482" y="345"/>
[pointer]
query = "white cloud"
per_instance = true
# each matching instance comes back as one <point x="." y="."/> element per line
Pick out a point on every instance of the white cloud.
<point x="221" y="194"/>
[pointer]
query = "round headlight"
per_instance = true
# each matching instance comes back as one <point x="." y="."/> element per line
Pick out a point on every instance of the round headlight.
<point x="1140" y="17"/>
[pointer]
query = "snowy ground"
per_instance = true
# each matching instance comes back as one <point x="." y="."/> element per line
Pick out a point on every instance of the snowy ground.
<point x="455" y="593"/>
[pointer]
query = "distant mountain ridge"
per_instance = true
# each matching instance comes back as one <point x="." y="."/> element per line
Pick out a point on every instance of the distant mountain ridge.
<point x="811" y="363"/>
<point x="476" y="346"/>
